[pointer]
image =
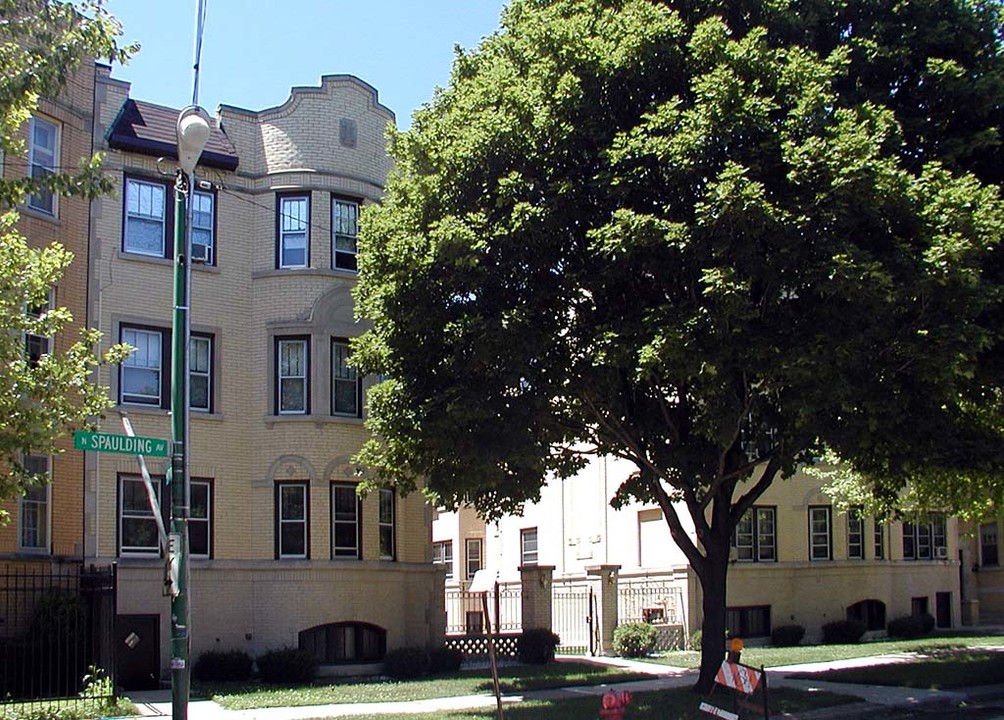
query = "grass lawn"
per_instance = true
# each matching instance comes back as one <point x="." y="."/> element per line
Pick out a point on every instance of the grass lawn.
<point x="514" y="680"/>
<point x="678" y="704"/>
<point x="935" y="669"/>
<point x="776" y="657"/>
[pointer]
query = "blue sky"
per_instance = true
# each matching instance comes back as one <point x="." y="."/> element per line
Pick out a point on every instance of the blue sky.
<point x="254" y="51"/>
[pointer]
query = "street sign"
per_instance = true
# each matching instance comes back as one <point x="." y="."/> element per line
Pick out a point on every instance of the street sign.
<point x="126" y="444"/>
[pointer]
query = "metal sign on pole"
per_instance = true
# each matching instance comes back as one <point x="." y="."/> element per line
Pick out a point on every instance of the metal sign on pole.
<point x="483" y="582"/>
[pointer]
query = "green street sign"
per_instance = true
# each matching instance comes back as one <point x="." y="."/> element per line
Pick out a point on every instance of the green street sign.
<point x="129" y="445"/>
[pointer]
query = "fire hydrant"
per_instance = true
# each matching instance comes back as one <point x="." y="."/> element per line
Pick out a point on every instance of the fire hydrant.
<point x="614" y="704"/>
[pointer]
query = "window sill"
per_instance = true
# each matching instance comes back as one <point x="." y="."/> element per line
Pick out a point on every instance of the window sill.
<point x="126" y="408"/>
<point x="202" y="415"/>
<point x="318" y="420"/>
<point x="163" y="261"/>
<point x="39" y="214"/>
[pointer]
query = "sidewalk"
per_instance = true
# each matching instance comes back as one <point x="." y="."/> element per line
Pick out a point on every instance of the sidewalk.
<point x="875" y="701"/>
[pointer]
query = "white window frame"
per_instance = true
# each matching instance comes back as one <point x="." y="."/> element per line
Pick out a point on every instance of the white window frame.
<point x="292" y="226"/>
<point x="344" y="234"/>
<point x="282" y="520"/>
<point x="528" y="546"/>
<point x="855" y="533"/>
<point x="442" y="554"/>
<point x="473" y="561"/>
<point x="143" y="362"/>
<point x="284" y="375"/>
<point x="134" y="185"/>
<point x="990" y="538"/>
<point x="820" y="532"/>
<point x="137" y="514"/>
<point x="194" y="519"/>
<point x="203" y="234"/>
<point x="196" y="370"/>
<point x="35" y="509"/>
<point x="43" y="160"/>
<point x="343" y="376"/>
<point x="755" y="536"/>
<point x="44" y="342"/>
<point x="921" y="539"/>
<point x="879" y="540"/>
<point x="386" y="520"/>
<point x="351" y="519"/>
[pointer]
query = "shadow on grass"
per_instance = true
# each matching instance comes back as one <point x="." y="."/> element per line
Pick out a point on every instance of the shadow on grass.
<point x="934" y="669"/>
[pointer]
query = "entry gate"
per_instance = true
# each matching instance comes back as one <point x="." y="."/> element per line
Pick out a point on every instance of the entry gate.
<point x="573" y="618"/>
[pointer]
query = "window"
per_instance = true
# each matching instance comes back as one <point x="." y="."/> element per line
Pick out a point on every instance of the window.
<point x="345" y="642"/>
<point x="879" y="538"/>
<point x="291" y="519"/>
<point x="33" y="513"/>
<point x="292" y="363"/>
<point x="344" y="229"/>
<point x="855" y="534"/>
<point x="871" y="612"/>
<point x="528" y="546"/>
<point x="988" y="544"/>
<point x="200" y="538"/>
<point x="346" y="390"/>
<point x="147" y="209"/>
<point x="43" y="150"/>
<point x="820" y="547"/>
<point x="442" y="554"/>
<point x="292" y="232"/>
<point x="203" y="226"/>
<point x="925" y="541"/>
<point x="755" y="537"/>
<point x="473" y="548"/>
<point x="35" y="346"/>
<point x="137" y="522"/>
<point x="386" y="521"/>
<point x="748" y="622"/>
<point x="143" y="379"/>
<point x="200" y="372"/>
<point x="346" y="530"/>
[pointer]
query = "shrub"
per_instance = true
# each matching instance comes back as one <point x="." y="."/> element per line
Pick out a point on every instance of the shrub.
<point x="445" y="659"/>
<point x="695" y="640"/>
<point x="223" y="666"/>
<point x="787" y="635"/>
<point x="286" y="665"/>
<point x="910" y="626"/>
<point x="634" y="639"/>
<point x="404" y="663"/>
<point x="843" y="632"/>
<point x="536" y="646"/>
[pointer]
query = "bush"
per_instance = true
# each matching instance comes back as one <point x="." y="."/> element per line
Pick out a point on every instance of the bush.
<point x="405" y="663"/>
<point x="695" y="640"/>
<point x="445" y="659"/>
<point x="287" y="665"/>
<point x="787" y="635"/>
<point x="843" y="632"/>
<point x="536" y="646"/>
<point x="634" y="639"/>
<point x="910" y="626"/>
<point x="223" y="666"/>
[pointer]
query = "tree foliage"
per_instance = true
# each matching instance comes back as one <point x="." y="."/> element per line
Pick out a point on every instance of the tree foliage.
<point x="41" y="43"/>
<point x="712" y="238"/>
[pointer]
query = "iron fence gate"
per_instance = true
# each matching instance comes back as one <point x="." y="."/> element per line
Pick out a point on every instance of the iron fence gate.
<point x="55" y="624"/>
<point x="573" y="618"/>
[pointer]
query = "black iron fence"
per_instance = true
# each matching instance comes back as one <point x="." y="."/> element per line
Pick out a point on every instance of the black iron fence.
<point x="56" y="626"/>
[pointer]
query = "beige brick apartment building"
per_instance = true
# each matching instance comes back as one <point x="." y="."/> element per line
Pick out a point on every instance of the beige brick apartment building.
<point x="284" y="553"/>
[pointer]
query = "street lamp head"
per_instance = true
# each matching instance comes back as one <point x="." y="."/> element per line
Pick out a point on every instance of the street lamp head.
<point x="193" y="134"/>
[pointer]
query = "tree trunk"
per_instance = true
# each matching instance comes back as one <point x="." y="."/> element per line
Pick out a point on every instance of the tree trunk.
<point x="713" y="581"/>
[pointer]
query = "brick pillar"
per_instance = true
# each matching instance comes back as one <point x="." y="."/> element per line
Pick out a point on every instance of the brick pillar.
<point x="535" y="591"/>
<point x="604" y="582"/>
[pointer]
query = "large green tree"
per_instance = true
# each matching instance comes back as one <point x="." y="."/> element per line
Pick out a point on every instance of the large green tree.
<point x="41" y="43"/>
<point x="711" y="238"/>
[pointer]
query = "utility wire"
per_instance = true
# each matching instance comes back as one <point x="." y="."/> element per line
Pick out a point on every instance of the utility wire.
<point x="200" y="28"/>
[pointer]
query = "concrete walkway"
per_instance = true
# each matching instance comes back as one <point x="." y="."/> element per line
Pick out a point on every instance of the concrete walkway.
<point x="875" y="701"/>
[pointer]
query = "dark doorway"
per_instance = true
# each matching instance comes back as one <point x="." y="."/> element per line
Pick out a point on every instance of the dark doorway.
<point x="137" y="640"/>
<point x="943" y="609"/>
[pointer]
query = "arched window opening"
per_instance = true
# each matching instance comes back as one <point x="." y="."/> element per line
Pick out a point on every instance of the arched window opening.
<point x="345" y="642"/>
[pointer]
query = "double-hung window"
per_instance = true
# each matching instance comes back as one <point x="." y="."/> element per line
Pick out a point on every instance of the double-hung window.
<point x="344" y="231"/>
<point x="474" y="551"/>
<point x="925" y="541"/>
<point x="43" y="150"/>
<point x="292" y="366"/>
<point x="147" y="213"/>
<point x="293" y="231"/>
<point x="200" y="369"/>
<point x="879" y="538"/>
<point x="33" y="513"/>
<point x="755" y="537"/>
<point x="35" y="346"/>
<point x="143" y="377"/>
<point x="200" y="538"/>
<point x="291" y="520"/>
<point x="346" y="528"/>
<point x="203" y="227"/>
<point x="528" y="546"/>
<point x="820" y="533"/>
<point x="138" y="533"/>
<point x="442" y="554"/>
<point x="855" y="534"/>
<point x="988" y="544"/>
<point x="388" y="541"/>
<point x="346" y="390"/>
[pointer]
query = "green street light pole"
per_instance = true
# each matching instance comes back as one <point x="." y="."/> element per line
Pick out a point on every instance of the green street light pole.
<point x="193" y="133"/>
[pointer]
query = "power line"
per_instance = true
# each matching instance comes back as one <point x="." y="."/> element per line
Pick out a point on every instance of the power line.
<point x="200" y="28"/>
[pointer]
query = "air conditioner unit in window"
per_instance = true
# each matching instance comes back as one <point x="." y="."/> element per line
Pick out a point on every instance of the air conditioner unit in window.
<point x="200" y="253"/>
<point x="941" y="552"/>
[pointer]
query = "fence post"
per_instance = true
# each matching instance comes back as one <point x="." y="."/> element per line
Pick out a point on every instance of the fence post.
<point x="604" y="579"/>
<point x="535" y="595"/>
